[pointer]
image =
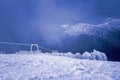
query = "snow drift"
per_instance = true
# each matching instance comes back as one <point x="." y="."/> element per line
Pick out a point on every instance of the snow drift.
<point x="95" y="55"/>
<point x="42" y="66"/>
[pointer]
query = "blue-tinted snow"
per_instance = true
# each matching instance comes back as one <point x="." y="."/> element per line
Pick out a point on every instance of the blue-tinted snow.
<point x="108" y="30"/>
<point x="41" y="66"/>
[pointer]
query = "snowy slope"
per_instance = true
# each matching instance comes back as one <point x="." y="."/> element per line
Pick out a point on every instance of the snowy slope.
<point x="48" y="67"/>
<point x="109" y="30"/>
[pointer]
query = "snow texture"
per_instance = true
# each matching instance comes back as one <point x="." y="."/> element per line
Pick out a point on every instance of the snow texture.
<point x="95" y="55"/>
<point x="39" y="66"/>
<point x="108" y="30"/>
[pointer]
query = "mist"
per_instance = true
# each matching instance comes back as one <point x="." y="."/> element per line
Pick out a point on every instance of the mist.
<point x="49" y="15"/>
<point x="28" y="21"/>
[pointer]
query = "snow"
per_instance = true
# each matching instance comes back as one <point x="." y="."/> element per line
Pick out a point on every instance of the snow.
<point x="91" y="29"/>
<point x="108" y="30"/>
<point x="41" y="66"/>
<point x="95" y="55"/>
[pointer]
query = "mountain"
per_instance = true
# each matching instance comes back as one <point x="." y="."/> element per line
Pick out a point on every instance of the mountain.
<point x="104" y="37"/>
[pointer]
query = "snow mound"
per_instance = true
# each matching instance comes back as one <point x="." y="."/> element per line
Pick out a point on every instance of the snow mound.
<point x="48" y="67"/>
<point x="95" y="55"/>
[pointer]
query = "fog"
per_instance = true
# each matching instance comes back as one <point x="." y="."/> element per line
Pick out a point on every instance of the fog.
<point x="29" y="21"/>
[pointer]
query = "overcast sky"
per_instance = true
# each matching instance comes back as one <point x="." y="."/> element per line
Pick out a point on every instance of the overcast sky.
<point x="38" y="20"/>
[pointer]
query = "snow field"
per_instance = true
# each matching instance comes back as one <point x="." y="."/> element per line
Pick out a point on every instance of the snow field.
<point x="48" y="67"/>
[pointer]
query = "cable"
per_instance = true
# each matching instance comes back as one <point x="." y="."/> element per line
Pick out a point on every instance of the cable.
<point x="45" y="48"/>
<point x="24" y="44"/>
<point x="11" y="43"/>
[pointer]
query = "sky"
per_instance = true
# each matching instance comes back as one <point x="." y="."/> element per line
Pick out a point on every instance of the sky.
<point x="38" y="21"/>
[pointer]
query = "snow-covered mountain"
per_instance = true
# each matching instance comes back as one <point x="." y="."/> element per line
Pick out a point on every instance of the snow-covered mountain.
<point x="41" y="66"/>
<point x="109" y="30"/>
<point x="104" y="37"/>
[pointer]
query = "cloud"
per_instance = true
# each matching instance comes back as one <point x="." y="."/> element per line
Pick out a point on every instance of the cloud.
<point x="48" y="18"/>
<point x="38" y="20"/>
